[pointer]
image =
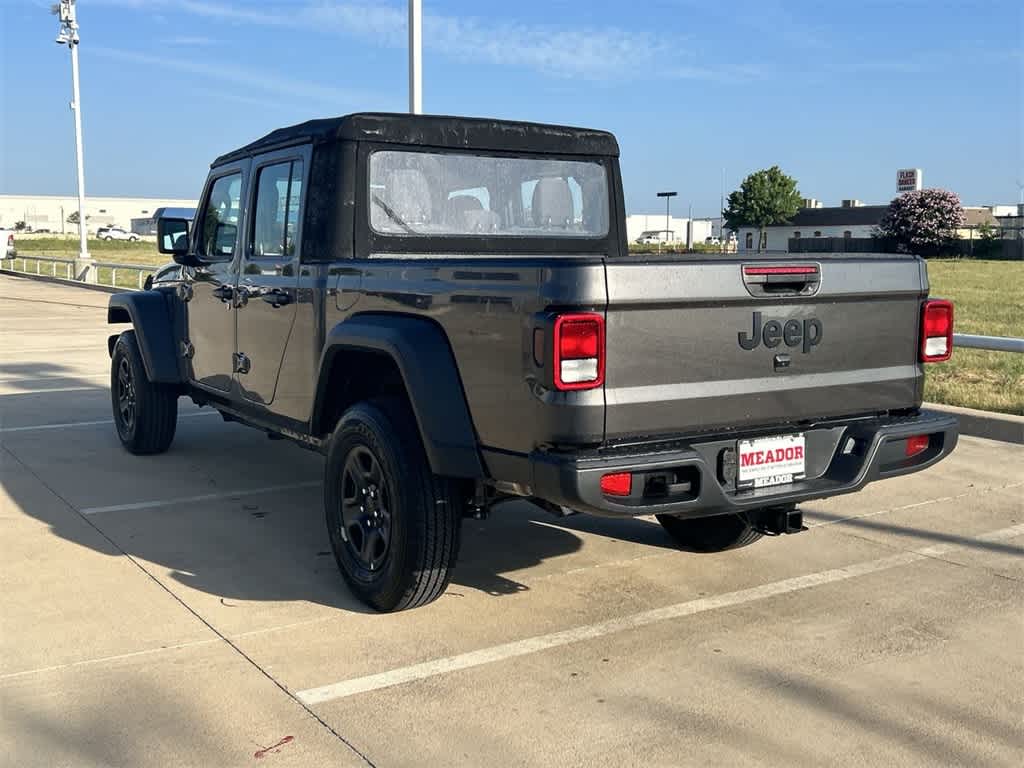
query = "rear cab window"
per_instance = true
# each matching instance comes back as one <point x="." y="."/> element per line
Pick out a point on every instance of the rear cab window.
<point x="456" y="194"/>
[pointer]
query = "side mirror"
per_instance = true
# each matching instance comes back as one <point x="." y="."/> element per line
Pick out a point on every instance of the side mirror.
<point x="172" y="238"/>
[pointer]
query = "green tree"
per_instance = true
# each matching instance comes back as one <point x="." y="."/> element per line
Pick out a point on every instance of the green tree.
<point x="73" y="217"/>
<point x="765" y="198"/>
<point x="19" y="226"/>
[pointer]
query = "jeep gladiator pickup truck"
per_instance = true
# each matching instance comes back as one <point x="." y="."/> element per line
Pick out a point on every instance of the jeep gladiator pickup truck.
<point x="447" y="310"/>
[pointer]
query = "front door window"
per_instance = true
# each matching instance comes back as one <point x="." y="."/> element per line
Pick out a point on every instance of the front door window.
<point x="221" y="218"/>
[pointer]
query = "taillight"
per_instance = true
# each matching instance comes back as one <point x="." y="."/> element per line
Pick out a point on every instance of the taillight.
<point x="936" y="331"/>
<point x="579" y="351"/>
<point x="10" y="240"/>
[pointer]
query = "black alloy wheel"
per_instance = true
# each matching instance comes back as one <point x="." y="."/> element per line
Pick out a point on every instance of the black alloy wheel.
<point x="365" y="509"/>
<point x="125" y="396"/>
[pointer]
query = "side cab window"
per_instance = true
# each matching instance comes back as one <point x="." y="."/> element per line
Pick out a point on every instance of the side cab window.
<point x="222" y="215"/>
<point x="275" y="219"/>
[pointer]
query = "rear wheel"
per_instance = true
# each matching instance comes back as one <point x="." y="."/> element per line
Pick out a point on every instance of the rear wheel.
<point x="710" y="534"/>
<point x="394" y="526"/>
<point x="145" y="414"/>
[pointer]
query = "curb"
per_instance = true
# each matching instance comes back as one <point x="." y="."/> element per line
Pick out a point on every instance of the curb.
<point x="64" y="281"/>
<point x="994" y="426"/>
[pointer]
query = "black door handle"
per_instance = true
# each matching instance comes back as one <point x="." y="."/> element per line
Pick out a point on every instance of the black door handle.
<point x="223" y="292"/>
<point x="277" y="298"/>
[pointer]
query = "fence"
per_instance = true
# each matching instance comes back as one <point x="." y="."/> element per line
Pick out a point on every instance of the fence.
<point x="998" y="250"/>
<point x="106" y="272"/>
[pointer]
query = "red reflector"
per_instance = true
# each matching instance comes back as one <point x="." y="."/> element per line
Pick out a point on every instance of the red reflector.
<point x="619" y="484"/>
<point x="936" y="331"/>
<point x="916" y="444"/>
<point x="789" y="270"/>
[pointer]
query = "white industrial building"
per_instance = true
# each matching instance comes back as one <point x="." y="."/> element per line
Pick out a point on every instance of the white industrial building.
<point x="51" y="212"/>
<point x="852" y="219"/>
<point x="637" y="224"/>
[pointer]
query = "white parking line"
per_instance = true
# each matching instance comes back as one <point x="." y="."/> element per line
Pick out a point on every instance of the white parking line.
<point x="67" y="377"/>
<point x="102" y="659"/>
<point x="530" y="645"/>
<point x="45" y="390"/>
<point x="91" y="423"/>
<point x="155" y="504"/>
<point x="915" y="505"/>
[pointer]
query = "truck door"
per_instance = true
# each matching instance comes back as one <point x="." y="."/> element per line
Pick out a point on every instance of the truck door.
<point x="268" y="279"/>
<point x="210" y="315"/>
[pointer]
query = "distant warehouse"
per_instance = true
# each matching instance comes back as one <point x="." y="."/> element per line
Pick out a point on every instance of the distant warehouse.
<point x="50" y="213"/>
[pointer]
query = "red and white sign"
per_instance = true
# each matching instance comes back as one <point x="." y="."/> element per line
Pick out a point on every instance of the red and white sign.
<point x="908" y="179"/>
<point x="770" y="461"/>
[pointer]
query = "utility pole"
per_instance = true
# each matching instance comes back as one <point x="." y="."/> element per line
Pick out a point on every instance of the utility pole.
<point x="689" y="229"/>
<point x="416" y="57"/>
<point x="668" y="199"/>
<point x="68" y="35"/>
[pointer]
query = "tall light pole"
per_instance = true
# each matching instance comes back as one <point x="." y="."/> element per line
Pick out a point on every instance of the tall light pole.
<point x="68" y="35"/>
<point x="668" y="199"/>
<point x="415" y="57"/>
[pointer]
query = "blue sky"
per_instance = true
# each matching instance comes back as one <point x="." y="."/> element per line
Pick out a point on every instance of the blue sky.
<point x="840" y="94"/>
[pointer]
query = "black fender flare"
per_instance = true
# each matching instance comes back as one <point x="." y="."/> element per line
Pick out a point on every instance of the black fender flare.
<point x="150" y="314"/>
<point x="420" y="351"/>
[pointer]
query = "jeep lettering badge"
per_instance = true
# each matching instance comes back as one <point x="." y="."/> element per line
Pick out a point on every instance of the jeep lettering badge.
<point x="791" y="332"/>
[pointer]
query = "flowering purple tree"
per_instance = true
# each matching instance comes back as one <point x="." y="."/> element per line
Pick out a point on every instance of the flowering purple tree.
<point x="923" y="221"/>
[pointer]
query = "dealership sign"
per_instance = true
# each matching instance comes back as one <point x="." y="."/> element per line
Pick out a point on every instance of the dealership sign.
<point x="908" y="180"/>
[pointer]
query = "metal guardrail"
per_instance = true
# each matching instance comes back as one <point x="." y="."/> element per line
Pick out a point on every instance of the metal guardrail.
<point x="994" y="343"/>
<point x="67" y="267"/>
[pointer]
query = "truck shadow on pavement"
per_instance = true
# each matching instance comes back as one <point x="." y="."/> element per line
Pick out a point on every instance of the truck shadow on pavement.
<point x="265" y="546"/>
<point x="262" y="547"/>
<point x="905" y="531"/>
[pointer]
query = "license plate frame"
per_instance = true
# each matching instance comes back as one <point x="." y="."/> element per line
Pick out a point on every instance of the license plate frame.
<point x="771" y="461"/>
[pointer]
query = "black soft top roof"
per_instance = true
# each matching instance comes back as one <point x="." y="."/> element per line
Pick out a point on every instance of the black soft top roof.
<point x="436" y="131"/>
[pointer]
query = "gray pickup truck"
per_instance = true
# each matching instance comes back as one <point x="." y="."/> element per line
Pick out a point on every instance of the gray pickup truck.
<point x="446" y="308"/>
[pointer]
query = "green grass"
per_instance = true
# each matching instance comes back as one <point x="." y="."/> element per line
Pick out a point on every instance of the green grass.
<point x="988" y="299"/>
<point x="118" y="251"/>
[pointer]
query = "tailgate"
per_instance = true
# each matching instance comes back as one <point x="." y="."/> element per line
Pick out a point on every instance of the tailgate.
<point x="698" y="345"/>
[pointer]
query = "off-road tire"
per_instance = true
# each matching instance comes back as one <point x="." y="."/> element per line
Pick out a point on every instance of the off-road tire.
<point x="155" y="406"/>
<point x="709" y="534"/>
<point x="424" y="510"/>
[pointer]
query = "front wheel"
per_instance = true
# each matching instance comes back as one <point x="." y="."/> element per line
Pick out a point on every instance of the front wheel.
<point x="710" y="534"/>
<point x="393" y="524"/>
<point x="145" y="414"/>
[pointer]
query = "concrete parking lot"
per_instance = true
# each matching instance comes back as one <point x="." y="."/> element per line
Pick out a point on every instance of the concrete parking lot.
<point x="184" y="610"/>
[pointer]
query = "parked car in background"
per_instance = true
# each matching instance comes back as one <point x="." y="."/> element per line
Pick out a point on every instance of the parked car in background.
<point x="115" y="233"/>
<point x="655" y="236"/>
<point x="7" y="238"/>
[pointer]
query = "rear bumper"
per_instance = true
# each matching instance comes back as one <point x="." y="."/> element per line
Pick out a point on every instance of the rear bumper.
<point x="841" y="458"/>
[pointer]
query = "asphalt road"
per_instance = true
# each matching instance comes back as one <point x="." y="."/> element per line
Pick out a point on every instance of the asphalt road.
<point x="183" y="610"/>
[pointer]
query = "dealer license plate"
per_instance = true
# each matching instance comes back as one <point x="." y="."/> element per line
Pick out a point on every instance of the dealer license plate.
<point x="770" y="461"/>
